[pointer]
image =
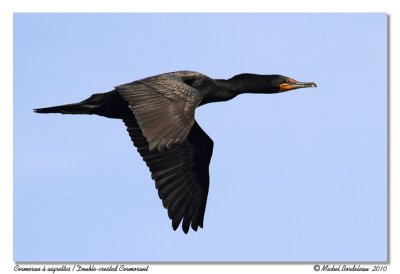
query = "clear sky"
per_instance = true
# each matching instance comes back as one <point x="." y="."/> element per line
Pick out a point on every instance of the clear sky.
<point x="299" y="176"/>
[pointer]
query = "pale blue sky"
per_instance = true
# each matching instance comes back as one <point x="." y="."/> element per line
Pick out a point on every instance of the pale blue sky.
<point x="300" y="176"/>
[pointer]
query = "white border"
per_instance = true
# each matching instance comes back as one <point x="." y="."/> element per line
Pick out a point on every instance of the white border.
<point x="7" y="8"/>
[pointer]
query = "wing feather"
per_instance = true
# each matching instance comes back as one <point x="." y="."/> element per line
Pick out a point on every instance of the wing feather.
<point x="164" y="107"/>
<point x="181" y="173"/>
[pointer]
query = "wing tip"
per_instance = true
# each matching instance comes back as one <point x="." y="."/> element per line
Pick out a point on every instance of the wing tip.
<point x="185" y="229"/>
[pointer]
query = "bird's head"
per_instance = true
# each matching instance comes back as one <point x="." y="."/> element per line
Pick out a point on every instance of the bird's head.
<point x="284" y="83"/>
<point x="255" y="83"/>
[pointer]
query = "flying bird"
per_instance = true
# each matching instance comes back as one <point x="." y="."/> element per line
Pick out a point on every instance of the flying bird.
<point x="159" y="113"/>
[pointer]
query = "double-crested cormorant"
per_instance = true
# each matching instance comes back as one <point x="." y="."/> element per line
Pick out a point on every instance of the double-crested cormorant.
<point x="159" y="115"/>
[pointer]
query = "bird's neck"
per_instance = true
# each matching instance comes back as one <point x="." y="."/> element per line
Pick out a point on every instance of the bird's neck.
<point x="248" y="83"/>
<point x="242" y="83"/>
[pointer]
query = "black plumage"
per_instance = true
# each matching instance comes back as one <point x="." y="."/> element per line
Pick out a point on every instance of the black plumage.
<point x="159" y="113"/>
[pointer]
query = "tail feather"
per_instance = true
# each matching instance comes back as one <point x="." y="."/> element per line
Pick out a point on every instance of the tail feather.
<point x="109" y="104"/>
<point x="77" y="108"/>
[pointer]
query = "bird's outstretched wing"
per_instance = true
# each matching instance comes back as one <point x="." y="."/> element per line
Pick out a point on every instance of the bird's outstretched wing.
<point x="164" y="107"/>
<point x="180" y="173"/>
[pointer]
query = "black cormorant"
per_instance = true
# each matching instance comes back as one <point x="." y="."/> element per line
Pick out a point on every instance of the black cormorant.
<point x="158" y="112"/>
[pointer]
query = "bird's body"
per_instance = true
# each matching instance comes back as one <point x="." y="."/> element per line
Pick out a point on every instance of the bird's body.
<point x="159" y="112"/>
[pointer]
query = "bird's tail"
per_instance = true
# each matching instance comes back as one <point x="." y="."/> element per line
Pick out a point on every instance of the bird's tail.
<point x="78" y="108"/>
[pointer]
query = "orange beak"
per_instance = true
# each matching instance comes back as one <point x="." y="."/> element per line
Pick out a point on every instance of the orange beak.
<point x="293" y="84"/>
